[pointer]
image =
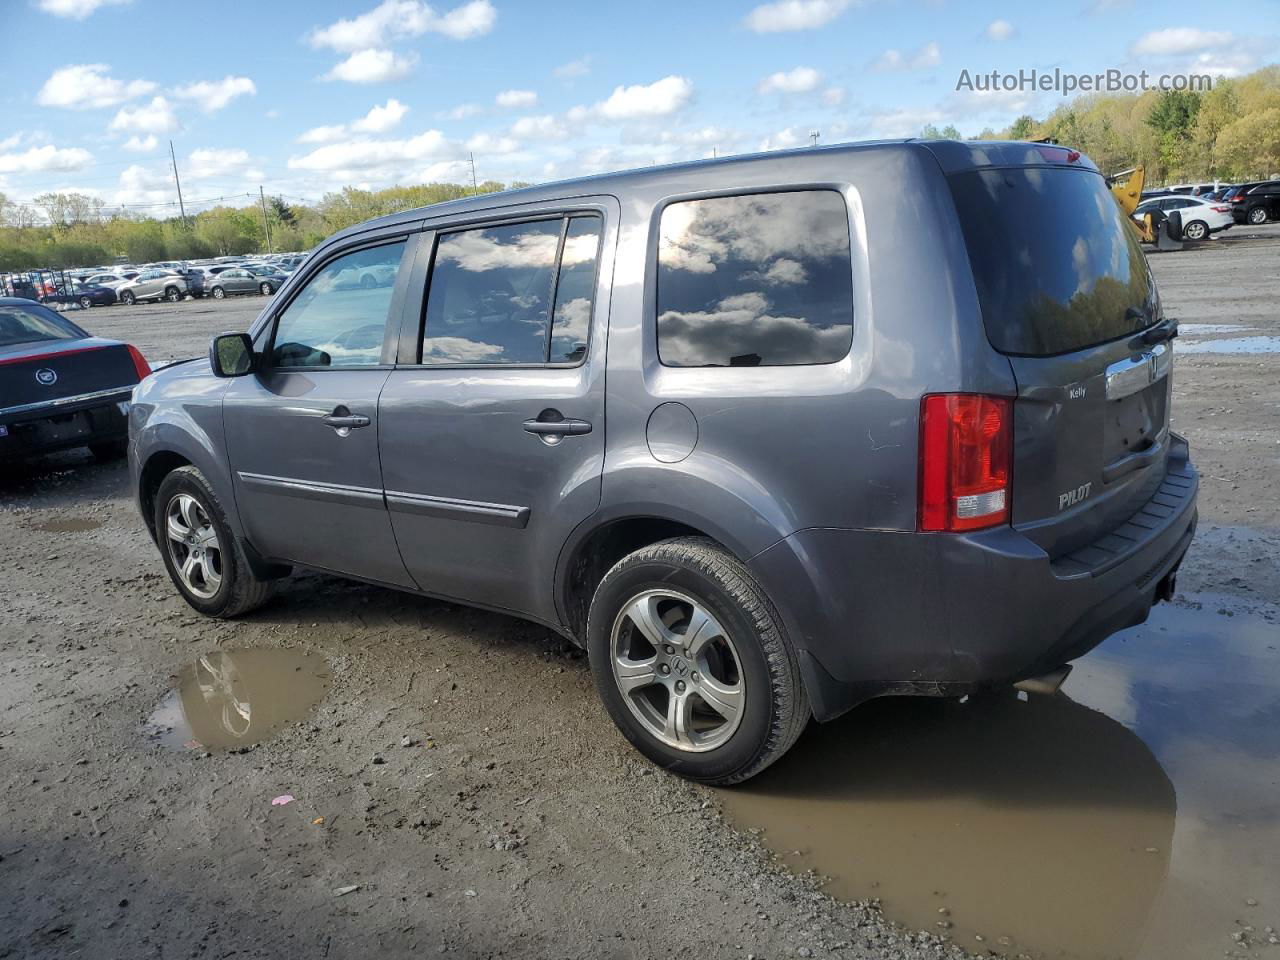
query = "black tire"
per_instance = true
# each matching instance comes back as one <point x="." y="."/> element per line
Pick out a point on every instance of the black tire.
<point x="240" y="591"/>
<point x="775" y="706"/>
<point x="1258" y="215"/>
<point x="85" y="303"/>
<point x="217" y="293"/>
<point x="128" y="299"/>
<point x="266" y="290"/>
<point x="1196" y="230"/>
<point x="109" y="450"/>
<point x="172" y="294"/>
<point x="368" y="281"/>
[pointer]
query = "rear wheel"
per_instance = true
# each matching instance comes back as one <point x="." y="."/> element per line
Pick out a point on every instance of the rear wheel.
<point x="172" y="294"/>
<point x="692" y="663"/>
<point x="1258" y="215"/>
<point x="217" y="293"/>
<point x="368" y="281"/>
<point x="1196" y="230"/>
<point x="85" y="303"/>
<point x="205" y="561"/>
<point x="265" y="289"/>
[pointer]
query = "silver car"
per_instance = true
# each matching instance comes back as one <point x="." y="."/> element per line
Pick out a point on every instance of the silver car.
<point x="153" y="285"/>
<point x="241" y="280"/>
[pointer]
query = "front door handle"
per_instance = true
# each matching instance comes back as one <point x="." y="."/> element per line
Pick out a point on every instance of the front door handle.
<point x="344" y="421"/>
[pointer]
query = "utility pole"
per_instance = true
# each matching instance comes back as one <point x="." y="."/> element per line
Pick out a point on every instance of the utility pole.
<point x="474" y="189"/>
<point x="181" y="207"/>
<point x="266" y="226"/>
<point x="814" y="137"/>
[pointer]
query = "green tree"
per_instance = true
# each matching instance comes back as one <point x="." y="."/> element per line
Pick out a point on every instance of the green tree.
<point x="1022" y="128"/>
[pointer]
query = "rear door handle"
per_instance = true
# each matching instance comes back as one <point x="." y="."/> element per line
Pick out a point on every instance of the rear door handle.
<point x="558" y="428"/>
<point x="352" y="420"/>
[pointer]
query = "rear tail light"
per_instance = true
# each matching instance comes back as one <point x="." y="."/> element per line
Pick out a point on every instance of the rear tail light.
<point x="139" y="362"/>
<point x="966" y="443"/>
<point x="1220" y="209"/>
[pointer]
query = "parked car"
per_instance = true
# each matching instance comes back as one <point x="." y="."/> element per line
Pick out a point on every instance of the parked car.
<point x="239" y="280"/>
<point x="1256" y="203"/>
<point x="153" y="285"/>
<point x="61" y="387"/>
<point x="1200" y="218"/>
<point x="112" y="280"/>
<point x="766" y="501"/>
<point x="85" y="294"/>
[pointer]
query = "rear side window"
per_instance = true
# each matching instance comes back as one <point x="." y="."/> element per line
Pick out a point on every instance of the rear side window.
<point x="1056" y="265"/>
<point x="21" y="324"/>
<point x="339" y="319"/>
<point x="513" y="293"/>
<point x="755" y="280"/>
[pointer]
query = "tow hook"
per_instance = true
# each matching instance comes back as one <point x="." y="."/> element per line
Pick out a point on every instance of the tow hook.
<point x="1167" y="587"/>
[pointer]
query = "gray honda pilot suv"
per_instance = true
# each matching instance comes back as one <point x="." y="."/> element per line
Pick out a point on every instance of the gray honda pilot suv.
<point x="769" y="436"/>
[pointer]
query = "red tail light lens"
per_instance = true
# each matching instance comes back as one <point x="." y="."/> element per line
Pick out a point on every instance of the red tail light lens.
<point x="139" y="362"/>
<point x="1218" y="209"/>
<point x="966" y="443"/>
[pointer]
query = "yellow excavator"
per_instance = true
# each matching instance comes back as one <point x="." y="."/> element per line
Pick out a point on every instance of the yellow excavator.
<point x="1154" y="228"/>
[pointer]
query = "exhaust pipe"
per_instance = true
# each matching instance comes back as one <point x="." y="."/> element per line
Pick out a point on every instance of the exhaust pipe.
<point x="1046" y="683"/>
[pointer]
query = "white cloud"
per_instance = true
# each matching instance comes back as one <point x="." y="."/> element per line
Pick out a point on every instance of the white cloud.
<point x="140" y="185"/>
<point x="516" y="98"/>
<point x="545" y="127"/>
<point x="44" y="159"/>
<point x="833" y="96"/>
<point x="1179" y="40"/>
<point x="927" y="56"/>
<point x="799" y="80"/>
<point x="371" y="154"/>
<point x="89" y="85"/>
<point x="208" y="163"/>
<point x="373" y="66"/>
<point x="381" y="119"/>
<point x="574" y="68"/>
<point x="212" y="95"/>
<point x="905" y="123"/>
<point x="657" y="99"/>
<point x="154" y="117"/>
<point x="999" y="30"/>
<point x="77" y="9"/>
<point x="462" y="111"/>
<point x="323" y="134"/>
<point x="139" y="144"/>
<point x="794" y="15"/>
<point x="488" y="143"/>
<point x="782" y="140"/>
<point x="400" y="19"/>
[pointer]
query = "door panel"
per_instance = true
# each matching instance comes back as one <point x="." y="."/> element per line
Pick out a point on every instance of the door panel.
<point x="306" y="492"/>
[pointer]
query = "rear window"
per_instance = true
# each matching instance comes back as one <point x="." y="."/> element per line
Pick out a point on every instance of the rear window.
<point x="1056" y="266"/>
<point x="32" y="325"/>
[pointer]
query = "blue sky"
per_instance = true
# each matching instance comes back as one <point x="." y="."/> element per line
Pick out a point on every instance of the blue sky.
<point x="305" y="97"/>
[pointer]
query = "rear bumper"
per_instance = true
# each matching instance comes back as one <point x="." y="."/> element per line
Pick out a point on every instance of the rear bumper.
<point x="877" y="612"/>
<point x="65" y="423"/>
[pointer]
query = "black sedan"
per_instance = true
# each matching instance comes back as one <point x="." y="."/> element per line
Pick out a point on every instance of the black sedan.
<point x="61" y="387"/>
<point x="87" y="295"/>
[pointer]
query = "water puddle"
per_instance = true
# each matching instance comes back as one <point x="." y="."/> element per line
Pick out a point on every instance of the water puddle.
<point x="1234" y="345"/>
<point x="233" y="698"/>
<point x="1135" y="815"/>
<point x="72" y="525"/>
<point x="1208" y="329"/>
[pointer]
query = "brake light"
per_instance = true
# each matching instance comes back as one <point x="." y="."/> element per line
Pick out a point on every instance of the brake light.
<point x="966" y="443"/>
<point x="1221" y="209"/>
<point x="139" y="362"/>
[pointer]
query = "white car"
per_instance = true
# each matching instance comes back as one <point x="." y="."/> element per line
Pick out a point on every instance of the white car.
<point x="112" y="280"/>
<point x="1200" y="217"/>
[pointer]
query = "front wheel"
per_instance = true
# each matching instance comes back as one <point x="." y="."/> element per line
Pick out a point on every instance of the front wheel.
<point x="1196" y="230"/>
<point x="86" y="303"/>
<point x="1258" y="215"/>
<point x="128" y="299"/>
<point x="265" y="289"/>
<point x="205" y="561"/>
<point x="172" y="294"/>
<point x="692" y="662"/>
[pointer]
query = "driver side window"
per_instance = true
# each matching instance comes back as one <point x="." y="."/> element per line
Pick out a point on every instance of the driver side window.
<point x="339" y="318"/>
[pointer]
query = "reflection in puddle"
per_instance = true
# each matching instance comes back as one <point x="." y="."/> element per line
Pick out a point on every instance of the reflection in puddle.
<point x="233" y="698"/>
<point x="74" y="525"/>
<point x="1235" y="345"/>
<point x="1047" y="826"/>
<point x="1205" y="329"/>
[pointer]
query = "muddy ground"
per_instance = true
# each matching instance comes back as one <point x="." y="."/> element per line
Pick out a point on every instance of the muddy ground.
<point x="459" y="774"/>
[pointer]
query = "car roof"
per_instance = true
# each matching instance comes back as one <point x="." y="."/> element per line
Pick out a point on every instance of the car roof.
<point x="952" y="155"/>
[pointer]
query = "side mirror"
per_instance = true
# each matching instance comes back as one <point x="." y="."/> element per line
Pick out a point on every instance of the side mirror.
<point x="231" y="355"/>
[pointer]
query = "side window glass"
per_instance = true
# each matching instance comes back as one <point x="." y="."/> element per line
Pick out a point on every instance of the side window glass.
<point x="340" y="317"/>
<point x="575" y="291"/>
<point x="755" y="280"/>
<point x="490" y="294"/>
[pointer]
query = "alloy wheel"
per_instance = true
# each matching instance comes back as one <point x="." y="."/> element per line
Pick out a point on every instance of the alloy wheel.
<point x="1195" y="230"/>
<point x="193" y="546"/>
<point x="1257" y="215"/>
<point x="678" y="670"/>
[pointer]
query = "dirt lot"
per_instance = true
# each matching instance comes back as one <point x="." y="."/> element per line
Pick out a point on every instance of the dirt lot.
<point x="458" y="773"/>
